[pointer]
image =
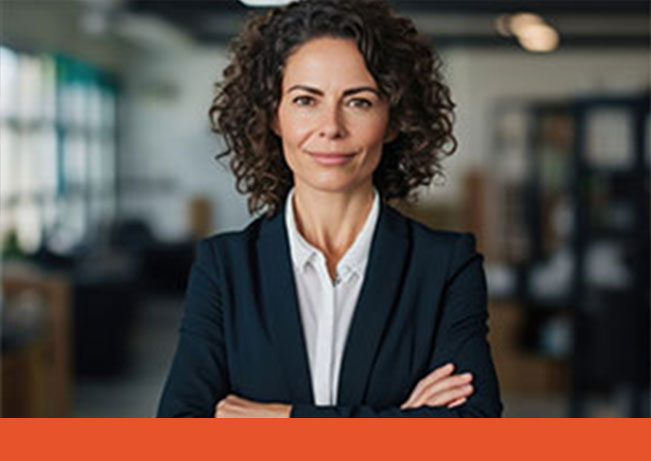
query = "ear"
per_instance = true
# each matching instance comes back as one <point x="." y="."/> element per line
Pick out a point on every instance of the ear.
<point x="391" y="134"/>
<point x="275" y="126"/>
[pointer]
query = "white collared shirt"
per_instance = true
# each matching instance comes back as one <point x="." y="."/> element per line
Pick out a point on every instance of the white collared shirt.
<point x="327" y="309"/>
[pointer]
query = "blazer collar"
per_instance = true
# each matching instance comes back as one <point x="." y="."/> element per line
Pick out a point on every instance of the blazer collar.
<point x="379" y="294"/>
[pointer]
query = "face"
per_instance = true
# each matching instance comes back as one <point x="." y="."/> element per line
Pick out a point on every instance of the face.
<point x="331" y="118"/>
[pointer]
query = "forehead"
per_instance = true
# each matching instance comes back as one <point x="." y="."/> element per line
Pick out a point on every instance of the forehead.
<point x="327" y="62"/>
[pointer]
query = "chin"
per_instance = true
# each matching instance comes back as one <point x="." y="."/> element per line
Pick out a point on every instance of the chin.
<point x="332" y="183"/>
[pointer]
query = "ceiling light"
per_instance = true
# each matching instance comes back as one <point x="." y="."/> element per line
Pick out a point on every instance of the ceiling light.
<point x="538" y="37"/>
<point x="520" y="21"/>
<point x="259" y="3"/>
<point x="531" y="30"/>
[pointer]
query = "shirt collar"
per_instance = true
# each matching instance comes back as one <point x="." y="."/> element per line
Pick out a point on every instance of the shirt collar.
<point x="302" y="252"/>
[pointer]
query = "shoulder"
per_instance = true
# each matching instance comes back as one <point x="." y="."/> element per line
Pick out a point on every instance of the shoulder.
<point x="454" y="247"/>
<point x="229" y="245"/>
<point x="235" y="237"/>
<point x="426" y="236"/>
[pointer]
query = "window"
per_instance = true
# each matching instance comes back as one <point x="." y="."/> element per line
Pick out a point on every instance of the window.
<point x="57" y="151"/>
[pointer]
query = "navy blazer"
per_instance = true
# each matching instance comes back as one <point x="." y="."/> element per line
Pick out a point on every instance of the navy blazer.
<point x="422" y="305"/>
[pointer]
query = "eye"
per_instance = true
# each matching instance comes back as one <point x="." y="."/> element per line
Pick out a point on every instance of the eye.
<point x="360" y="103"/>
<point x="303" y="100"/>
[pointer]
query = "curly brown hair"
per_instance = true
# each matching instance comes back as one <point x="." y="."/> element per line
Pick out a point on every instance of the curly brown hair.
<point x="404" y="66"/>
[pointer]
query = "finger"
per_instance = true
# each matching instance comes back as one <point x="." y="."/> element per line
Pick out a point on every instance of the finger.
<point x="458" y="402"/>
<point x="442" y="395"/>
<point x="230" y="409"/>
<point x="438" y="374"/>
<point x="446" y="397"/>
<point x="432" y="377"/>
<point x="441" y="386"/>
<point x="227" y="405"/>
<point x="237" y="401"/>
<point x="445" y="385"/>
<point x="221" y="407"/>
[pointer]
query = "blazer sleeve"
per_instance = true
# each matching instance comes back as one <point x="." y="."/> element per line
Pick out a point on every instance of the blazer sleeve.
<point x="460" y="339"/>
<point x="198" y="378"/>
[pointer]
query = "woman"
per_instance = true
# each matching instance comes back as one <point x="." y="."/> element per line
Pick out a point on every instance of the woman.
<point x="332" y="303"/>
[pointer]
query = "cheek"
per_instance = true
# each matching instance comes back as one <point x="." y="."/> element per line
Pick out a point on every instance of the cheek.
<point x="371" y="129"/>
<point x="372" y="160"/>
<point x="293" y="137"/>
<point x="294" y="129"/>
<point x="372" y="136"/>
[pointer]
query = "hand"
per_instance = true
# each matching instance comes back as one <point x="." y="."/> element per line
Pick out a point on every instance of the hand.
<point x="439" y="388"/>
<point x="233" y="406"/>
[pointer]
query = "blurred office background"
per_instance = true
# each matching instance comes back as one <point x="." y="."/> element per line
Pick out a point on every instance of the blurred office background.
<point x="108" y="178"/>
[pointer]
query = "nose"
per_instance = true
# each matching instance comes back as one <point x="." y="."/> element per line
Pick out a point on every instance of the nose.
<point x="332" y="125"/>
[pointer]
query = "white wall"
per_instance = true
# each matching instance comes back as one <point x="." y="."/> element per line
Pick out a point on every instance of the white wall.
<point x="167" y="149"/>
<point x="478" y="78"/>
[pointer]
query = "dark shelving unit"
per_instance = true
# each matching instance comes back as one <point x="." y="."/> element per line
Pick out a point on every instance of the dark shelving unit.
<point x="583" y="220"/>
<point x="613" y="321"/>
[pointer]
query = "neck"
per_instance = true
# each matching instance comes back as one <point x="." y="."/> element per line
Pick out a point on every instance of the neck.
<point x="331" y="221"/>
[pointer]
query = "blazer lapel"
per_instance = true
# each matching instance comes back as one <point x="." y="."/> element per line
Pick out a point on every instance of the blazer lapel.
<point x="379" y="293"/>
<point x="279" y="301"/>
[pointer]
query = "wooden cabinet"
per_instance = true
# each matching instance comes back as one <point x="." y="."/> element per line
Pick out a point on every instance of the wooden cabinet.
<point x="36" y="372"/>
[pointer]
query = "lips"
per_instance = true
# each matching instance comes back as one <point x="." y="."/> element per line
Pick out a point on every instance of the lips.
<point x="331" y="158"/>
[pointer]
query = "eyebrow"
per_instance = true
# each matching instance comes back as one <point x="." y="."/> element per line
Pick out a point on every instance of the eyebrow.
<point x="347" y="92"/>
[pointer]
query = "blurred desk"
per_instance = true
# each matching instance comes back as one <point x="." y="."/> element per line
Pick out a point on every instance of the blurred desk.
<point x="36" y="367"/>
<point x="519" y="370"/>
